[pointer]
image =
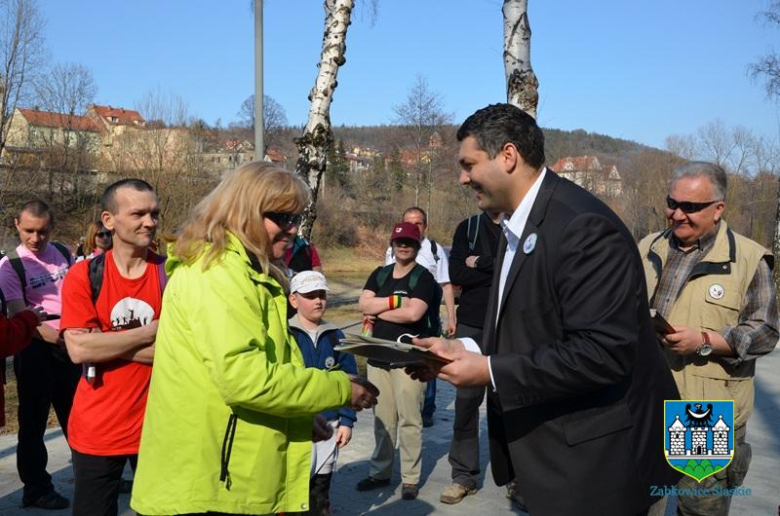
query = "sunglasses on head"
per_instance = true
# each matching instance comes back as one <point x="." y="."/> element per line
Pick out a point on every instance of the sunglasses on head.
<point x="687" y="207"/>
<point x="285" y="221"/>
<point x="103" y="234"/>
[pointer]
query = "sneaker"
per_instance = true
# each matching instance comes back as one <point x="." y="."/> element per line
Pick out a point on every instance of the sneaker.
<point x="369" y="483"/>
<point x="409" y="491"/>
<point x="454" y="493"/>
<point x="427" y="421"/>
<point x="51" y="501"/>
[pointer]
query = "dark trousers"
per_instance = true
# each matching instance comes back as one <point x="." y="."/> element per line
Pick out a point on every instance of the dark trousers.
<point x="464" y="448"/>
<point x="429" y="402"/>
<point x="97" y="483"/>
<point x="45" y="377"/>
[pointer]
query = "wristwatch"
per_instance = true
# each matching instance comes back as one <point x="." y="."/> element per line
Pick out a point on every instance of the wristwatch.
<point x="706" y="347"/>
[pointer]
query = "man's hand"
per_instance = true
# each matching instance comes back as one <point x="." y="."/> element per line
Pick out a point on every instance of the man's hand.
<point x="39" y="313"/>
<point x="466" y="369"/>
<point x="321" y="430"/>
<point x="343" y="435"/>
<point x="471" y="261"/>
<point x="685" y="341"/>
<point x="364" y="393"/>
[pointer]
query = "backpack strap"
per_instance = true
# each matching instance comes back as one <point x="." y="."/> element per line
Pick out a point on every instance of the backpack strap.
<point x="415" y="276"/>
<point x="63" y="251"/>
<point x="472" y="231"/>
<point x="435" y="250"/>
<point x="383" y="274"/>
<point x="95" y="273"/>
<point x="18" y="267"/>
<point x="161" y="273"/>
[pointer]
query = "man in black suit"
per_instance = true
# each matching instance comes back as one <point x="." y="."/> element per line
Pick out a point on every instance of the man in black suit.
<point x="576" y="379"/>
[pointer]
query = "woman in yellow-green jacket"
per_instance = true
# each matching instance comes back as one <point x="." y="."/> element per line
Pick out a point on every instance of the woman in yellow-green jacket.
<point x="229" y="418"/>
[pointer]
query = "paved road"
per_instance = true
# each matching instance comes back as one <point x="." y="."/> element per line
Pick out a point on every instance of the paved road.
<point x="763" y="478"/>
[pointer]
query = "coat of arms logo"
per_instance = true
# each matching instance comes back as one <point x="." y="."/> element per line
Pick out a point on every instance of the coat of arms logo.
<point x="699" y="436"/>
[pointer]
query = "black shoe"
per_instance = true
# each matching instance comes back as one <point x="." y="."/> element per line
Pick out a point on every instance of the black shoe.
<point x="370" y="483"/>
<point x="409" y="491"/>
<point x="51" y="501"/>
<point x="427" y="421"/>
<point x="125" y="486"/>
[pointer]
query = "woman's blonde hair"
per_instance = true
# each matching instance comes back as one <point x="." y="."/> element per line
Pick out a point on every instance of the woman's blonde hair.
<point x="89" y="241"/>
<point x="237" y="206"/>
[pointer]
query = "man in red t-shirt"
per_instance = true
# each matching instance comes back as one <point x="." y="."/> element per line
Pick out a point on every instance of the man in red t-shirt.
<point x="113" y="336"/>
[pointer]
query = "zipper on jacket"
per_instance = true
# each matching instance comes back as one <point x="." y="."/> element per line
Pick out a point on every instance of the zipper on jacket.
<point x="227" y="448"/>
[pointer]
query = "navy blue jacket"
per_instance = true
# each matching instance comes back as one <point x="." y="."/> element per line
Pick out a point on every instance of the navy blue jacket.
<point x="322" y="356"/>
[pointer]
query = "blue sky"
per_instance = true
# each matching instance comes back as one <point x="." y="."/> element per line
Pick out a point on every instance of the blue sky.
<point x="634" y="69"/>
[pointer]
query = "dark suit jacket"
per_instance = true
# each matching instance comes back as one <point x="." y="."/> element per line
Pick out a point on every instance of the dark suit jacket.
<point x="580" y="378"/>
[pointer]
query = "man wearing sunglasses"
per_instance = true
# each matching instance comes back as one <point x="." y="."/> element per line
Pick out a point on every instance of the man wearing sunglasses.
<point x="715" y="287"/>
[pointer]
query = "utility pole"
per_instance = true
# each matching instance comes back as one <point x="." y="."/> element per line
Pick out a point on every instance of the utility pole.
<point x="259" y="122"/>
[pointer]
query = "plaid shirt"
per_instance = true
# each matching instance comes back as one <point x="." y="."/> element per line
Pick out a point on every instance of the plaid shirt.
<point x="757" y="331"/>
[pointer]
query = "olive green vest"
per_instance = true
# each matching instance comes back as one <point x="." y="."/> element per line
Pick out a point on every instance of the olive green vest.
<point x="710" y="300"/>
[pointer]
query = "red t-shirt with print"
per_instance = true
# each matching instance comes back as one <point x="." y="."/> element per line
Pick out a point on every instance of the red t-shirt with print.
<point x="108" y="413"/>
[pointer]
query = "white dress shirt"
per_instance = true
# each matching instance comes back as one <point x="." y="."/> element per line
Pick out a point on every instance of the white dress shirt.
<point x="513" y="230"/>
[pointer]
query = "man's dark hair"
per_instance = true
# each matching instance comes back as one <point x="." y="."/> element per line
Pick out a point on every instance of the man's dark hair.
<point x="108" y="200"/>
<point x="418" y="210"/>
<point x="37" y="209"/>
<point x="499" y="124"/>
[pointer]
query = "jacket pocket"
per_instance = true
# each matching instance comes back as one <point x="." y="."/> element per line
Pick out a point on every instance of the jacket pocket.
<point x="596" y="423"/>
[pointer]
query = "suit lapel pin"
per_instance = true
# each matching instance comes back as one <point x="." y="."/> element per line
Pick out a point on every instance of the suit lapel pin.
<point x="530" y="244"/>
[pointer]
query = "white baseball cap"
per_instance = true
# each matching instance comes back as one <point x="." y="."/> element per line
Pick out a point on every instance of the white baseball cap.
<point x="308" y="281"/>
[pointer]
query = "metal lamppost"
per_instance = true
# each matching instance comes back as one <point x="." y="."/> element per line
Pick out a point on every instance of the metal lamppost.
<point x="259" y="122"/>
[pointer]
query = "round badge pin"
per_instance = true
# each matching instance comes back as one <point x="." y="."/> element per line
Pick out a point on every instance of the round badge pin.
<point x="330" y="362"/>
<point x="530" y="244"/>
<point x="717" y="291"/>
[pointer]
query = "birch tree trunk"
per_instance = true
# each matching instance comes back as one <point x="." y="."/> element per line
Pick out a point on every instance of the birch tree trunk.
<point x="521" y="82"/>
<point x="317" y="137"/>
<point x="776" y="244"/>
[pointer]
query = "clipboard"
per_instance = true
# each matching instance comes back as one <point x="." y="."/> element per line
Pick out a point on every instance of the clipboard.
<point x="394" y="354"/>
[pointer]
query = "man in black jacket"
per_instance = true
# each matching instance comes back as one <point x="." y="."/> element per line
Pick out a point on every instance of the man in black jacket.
<point x="474" y="247"/>
<point x="576" y="377"/>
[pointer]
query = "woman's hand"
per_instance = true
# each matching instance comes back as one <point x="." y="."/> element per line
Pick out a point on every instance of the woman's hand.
<point x="364" y="393"/>
<point x="321" y="430"/>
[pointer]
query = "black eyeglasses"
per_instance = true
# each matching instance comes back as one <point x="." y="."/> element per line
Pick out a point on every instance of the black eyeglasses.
<point x="687" y="207"/>
<point x="103" y="234"/>
<point x="285" y="221"/>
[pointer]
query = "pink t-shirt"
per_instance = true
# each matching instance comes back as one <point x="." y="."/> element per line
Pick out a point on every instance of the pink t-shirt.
<point x="44" y="272"/>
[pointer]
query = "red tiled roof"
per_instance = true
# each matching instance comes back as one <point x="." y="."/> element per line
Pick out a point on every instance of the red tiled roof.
<point x="578" y="163"/>
<point x="275" y="156"/>
<point x="123" y="116"/>
<point x="50" y="119"/>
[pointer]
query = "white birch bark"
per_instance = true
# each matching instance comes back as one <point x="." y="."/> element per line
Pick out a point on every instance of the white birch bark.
<point x="521" y="82"/>
<point x="776" y="244"/>
<point x="317" y="137"/>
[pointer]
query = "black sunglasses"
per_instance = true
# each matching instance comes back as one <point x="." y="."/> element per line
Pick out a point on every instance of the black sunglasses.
<point x="103" y="234"/>
<point x="285" y="221"/>
<point x="687" y="207"/>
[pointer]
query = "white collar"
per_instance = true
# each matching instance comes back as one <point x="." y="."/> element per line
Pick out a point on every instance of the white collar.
<point x="516" y="225"/>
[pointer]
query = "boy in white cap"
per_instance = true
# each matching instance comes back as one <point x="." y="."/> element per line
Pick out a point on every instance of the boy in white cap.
<point x="316" y="338"/>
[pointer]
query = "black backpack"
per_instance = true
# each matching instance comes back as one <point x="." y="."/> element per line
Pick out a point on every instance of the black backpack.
<point x="432" y="318"/>
<point x="96" y="267"/>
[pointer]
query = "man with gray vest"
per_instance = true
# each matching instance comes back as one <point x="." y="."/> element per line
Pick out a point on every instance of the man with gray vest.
<point x="715" y="288"/>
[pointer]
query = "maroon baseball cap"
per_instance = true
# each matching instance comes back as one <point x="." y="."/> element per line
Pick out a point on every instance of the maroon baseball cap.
<point x="405" y="230"/>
